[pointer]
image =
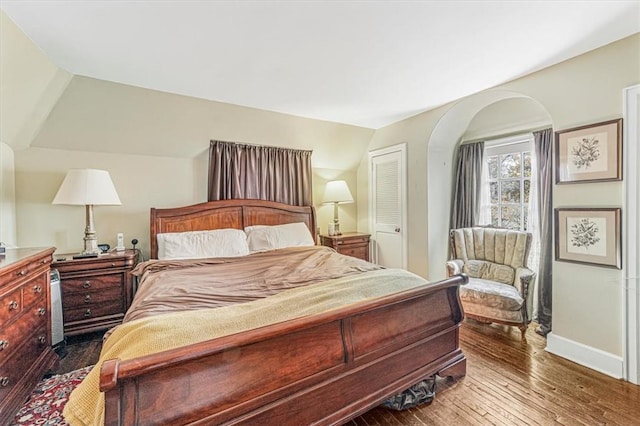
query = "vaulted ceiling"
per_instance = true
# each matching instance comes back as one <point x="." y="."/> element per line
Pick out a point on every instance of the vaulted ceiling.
<point x="365" y="63"/>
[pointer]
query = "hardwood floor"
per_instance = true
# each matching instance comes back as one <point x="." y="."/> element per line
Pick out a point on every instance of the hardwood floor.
<point x="507" y="383"/>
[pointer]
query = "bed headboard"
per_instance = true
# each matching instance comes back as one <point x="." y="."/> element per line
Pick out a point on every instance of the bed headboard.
<point x="227" y="214"/>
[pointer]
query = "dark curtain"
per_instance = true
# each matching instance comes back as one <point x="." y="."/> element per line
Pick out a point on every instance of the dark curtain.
<point x="259" y="172"/>
<point x="465" y="208"/>
<point x="543" y="149"/>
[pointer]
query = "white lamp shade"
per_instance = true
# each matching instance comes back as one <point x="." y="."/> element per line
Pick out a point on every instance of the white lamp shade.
<point x="87" y="187"/>
<point x="337" y="191"/>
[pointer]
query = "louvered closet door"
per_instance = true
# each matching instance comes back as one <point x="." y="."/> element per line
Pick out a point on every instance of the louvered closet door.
<point x="388" y="206"/>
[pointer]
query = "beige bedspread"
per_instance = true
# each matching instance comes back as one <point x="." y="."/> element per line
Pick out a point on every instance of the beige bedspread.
<point x="157" y="333"/>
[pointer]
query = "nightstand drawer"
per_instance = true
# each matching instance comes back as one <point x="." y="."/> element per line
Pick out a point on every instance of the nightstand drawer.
<point x="92" y="298"/>
<point x="351" y="241"/>
<point x="91" y="283"/>
<point x="111" y="307"/>
<point x="361" y="252"/>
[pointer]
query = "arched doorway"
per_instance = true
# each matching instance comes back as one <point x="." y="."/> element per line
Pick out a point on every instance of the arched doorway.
<point x="440" y="151"/>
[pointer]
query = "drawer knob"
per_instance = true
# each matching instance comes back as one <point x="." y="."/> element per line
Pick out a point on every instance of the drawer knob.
<point x="44" y="261"/>
<point x="87" y="298"/>
<point x="87" y="313"/>
<point x="42" y="340"/>
<point x="86" y="284"/>
<point x="4" y="344"/>
<point x="13" y="305"/>
<point x="21" y="273"/>
<point x="37" y="289"/>
<point x="4" y="382"/>
<point x="41" y="311"/>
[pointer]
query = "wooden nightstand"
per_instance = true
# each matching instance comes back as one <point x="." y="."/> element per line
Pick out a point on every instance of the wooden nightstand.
<point x="96" y="292"/>
<point x="350" y="243"/>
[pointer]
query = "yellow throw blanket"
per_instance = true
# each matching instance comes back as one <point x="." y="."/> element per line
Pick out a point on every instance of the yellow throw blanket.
<point x="163" y="332"/>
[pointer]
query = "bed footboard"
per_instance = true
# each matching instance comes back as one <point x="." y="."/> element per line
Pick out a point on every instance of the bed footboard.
<point x="321" y="369"/>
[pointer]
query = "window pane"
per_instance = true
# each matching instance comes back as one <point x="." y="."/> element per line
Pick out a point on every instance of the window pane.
<point x="493" y="189"/>
<point x="510" y="191"/>
<point x="526" y="160"/>
<point x="527" y="189"/>
<point x="511" y="217"/>
<point x="492" y="167"/>
<point x="510" y="165"/>
<point x="495" y="217"/>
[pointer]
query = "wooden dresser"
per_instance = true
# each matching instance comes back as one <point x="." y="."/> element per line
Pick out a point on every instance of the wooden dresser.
<point x="350" y="243"/>
<point x="25" y="325"/>
<point x="96" y="292"/>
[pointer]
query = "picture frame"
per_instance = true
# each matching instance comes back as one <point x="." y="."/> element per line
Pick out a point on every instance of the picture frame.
<point x="591" y="153"/>
<point x="591" y="236"/>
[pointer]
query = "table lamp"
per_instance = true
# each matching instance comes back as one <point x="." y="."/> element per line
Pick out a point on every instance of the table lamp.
<point x="88" y="187"/>
<point x="337" y="192"/>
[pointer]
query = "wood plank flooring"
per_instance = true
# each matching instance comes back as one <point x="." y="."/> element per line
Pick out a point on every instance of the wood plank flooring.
<point x="507" y="383"/>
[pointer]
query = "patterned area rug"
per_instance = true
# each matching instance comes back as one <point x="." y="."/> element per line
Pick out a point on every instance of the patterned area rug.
<point x="47" y="401"/>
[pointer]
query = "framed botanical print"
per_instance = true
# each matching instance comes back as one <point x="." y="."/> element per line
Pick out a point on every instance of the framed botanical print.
<point x="589" y="235"/>
<point x="591" y="153"/>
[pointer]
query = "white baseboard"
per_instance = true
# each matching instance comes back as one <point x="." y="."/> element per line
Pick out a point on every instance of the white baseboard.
<point x="596" y="359"/>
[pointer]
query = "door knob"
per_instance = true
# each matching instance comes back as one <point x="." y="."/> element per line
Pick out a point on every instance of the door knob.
<point x="397" y="229"/>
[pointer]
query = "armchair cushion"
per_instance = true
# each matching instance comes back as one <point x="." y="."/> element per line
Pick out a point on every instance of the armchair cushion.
<point x="491" y="294"/>
<point x="489" y="271"/>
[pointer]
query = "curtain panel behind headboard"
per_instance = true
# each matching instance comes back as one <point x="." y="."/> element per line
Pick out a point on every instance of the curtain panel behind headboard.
<point x="259" y="172"/>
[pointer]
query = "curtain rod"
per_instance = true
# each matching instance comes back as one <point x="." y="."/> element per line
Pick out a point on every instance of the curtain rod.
<point x="506" y="135"/>
<point x="212" y="141"/>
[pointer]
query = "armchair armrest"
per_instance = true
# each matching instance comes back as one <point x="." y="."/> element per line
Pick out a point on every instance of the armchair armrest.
<point x="454" y="267"/>
<point x="524" y="282"/>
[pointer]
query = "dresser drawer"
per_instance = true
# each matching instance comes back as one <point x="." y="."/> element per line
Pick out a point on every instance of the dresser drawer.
<point x="10" y="305"/>
<point x="35" y="291"/>
<point x="110" y="307"/>
<point x="13" y="336"/>
<point x="91" y="283"/>
<point x="19" y="361"/>
<point x="90" y="299"/>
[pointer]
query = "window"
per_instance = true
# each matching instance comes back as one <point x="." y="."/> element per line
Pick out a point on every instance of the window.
<point x="508" y="164"/>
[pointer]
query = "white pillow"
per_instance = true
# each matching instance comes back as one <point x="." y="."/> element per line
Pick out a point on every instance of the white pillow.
<point x="201" y="244"/>
<point x="263" y="238"/>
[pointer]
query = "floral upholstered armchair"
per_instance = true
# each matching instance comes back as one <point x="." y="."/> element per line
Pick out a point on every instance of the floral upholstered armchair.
<point x="500" y="287"/>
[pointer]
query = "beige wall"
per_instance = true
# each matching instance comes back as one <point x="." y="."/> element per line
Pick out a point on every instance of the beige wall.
<point x="30" y="85"/>
<point x="587" y="89"/>
<point x="155" y="146"/>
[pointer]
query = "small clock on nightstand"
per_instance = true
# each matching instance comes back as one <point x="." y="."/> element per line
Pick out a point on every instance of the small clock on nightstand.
<point x="350" y="243"/>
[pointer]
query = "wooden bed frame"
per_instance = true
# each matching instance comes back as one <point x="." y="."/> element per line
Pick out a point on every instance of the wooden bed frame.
<point x="321" y="369"/>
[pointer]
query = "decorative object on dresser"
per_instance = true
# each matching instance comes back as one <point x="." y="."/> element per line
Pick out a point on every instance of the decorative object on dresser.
<point x="350" y="243"/>
<point x="337" y="192"/>
<point x="96" y="292"/>
<point x="25" y="325"/>
<point x="88" y="187"/>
